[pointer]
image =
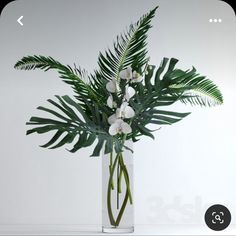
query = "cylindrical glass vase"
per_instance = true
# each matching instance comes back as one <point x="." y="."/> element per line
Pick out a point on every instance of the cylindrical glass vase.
<point x="117" y="191"/>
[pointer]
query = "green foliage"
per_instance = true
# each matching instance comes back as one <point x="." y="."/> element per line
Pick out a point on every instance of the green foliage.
<point x="129" y="49"/>
<point x="174" y="85"/>
<point x="72" y="122"/>
<point x="83" y="120"/>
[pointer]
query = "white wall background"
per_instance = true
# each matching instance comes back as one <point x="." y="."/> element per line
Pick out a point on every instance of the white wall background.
<point x="190" y="165"/>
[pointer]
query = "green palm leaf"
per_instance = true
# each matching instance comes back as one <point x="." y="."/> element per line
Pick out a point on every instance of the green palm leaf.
<point x="193" y="88"/>
<point x="79" y="80"/>
<point x="67" y="74"/>
<point x="129" y="49"/>
<point x="199" y="90"/>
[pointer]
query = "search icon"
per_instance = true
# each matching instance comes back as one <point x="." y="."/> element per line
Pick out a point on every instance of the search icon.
<point x="217" y="217"/>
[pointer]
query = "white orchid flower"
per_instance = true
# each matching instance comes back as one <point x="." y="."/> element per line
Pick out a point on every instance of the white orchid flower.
<point x="119" y="126"/>
<point x="126" y="73"/>
<point x="112" y="119"/>
<point x="125" y="111"/>
<point x="112" y="86"/>
<point x="136" y="78"/>
<point x="129" y="93"/>
<point x="111" y="103"/>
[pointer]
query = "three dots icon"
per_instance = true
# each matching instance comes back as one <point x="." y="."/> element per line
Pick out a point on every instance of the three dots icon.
<point x="215" y="20"/>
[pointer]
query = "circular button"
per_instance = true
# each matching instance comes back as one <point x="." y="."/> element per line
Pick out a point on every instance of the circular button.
<point x="217" y="217"/>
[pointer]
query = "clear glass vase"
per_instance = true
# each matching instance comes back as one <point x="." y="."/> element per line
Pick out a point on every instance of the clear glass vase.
<point x="117" y="191"/>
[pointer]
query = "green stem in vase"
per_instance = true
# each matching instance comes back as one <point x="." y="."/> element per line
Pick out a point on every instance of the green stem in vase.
<point x="109" y="207"/>
<point x="118" y="163"/>
<point x="110" y="168"/>
<point x="126" y="176"/>
<point x="128" y="195"/>
<point x="117" y="185"/>
<point x="120" y="181"/>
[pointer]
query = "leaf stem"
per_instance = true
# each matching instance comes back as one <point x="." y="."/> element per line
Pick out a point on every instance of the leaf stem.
<point x="110" y="168"/>
<point x="126" y="176"/>
<point x="117" y="186"/>
<point x="109" y="207"/>
<point x="128" y="195"/>
<point x="120" y="181"/>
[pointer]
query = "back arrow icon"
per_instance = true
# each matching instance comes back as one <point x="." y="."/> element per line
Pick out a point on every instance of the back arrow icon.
<point x="19" y="20"/>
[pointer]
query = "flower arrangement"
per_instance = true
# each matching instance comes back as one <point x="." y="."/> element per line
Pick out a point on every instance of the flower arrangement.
<point x="118" y="101"/>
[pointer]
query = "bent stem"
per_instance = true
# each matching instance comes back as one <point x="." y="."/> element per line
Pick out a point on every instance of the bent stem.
<point x="110" y="187"/>
<point x="110" y="168"/>
<point x="119" y="164"/>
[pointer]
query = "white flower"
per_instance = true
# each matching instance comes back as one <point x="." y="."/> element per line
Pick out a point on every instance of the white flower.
<point x="119" y="126"/>
<point x="125" y="111"/>
<point x="129" y="93"/>
<point x="126" y="73"/>
<point x="112" y="119"/>
<point x="136" y="77"/>
<point x="111" y="103"/>
<point x="112" y="86"/>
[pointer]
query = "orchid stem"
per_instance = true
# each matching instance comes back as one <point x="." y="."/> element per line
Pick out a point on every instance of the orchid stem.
<point x="109" y="207"/>
<point x="117" y="187"/>
<point x="110" y="168"/>
<point x="121" y="172"/>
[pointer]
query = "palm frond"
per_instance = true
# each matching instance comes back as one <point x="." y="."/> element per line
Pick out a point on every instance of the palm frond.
<point x="194" y="88"/>
<point x="129" y="49"/>
<point x="67" y="74"/>
<point x="198" y="90"/>
<point x="78" y="79"/>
